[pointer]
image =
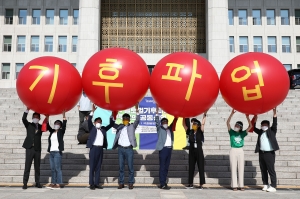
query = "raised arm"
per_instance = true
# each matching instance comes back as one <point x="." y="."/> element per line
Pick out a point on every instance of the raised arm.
<point x="256" y="130"/>
<point x="137" y="119"/>
<point x="203" y="122"/>
<point x="50" y="129"/>
<point x="229" y="119"/>
<point x="90" y="123"/>
<point x="64" y="124"/>
<point x="173" y="124"/>
<point x="111" y="123"/>
<point x="24" y="118"/>
<point x="185" y="121"/>
<point x="274" y="125"/>
<point x="157" y="123"/>
<point x="249" y="122"/>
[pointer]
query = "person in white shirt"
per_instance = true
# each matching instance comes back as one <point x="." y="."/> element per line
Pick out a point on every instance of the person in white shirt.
<point x="97" y="141"/>
<point x="84" y="106"/>
<point x="55" y="148"/>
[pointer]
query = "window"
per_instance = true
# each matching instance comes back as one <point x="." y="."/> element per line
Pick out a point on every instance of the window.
<point x="49" y="17"/>
<point x="298" y="66"/>
<point x="22" y="16"/>
<point x="36" y="17"/>
<point x="297" y="17"/>
<point x="74" y="64"/>
<point x="231" y="44"/>
<point x="63" y="17"/>
<point x="257" y="47"/>
<point x="256" y="15"/>
<point x="298" y="44"/>
<point x="287" y="66"/>
<point x="62" y="44"/>
<point x="74" y="44"/>
<point x="75" y="17"/>
<point x="21" y="43"/>
<point x="285" y="18"/>
<point x="230" y="17"/>
<point x="35" y="44"/>
<point x="19" y="66"/>
<point x="243" y="44"/>
<point x="9" y="13"/>
<point x="286" y="45"/>
<point x="272" y="47"/>
<point x="271" y="17"/>
<point x="243" y="17"/>
<point x="5" y="71"/>
<point x="48" y="43"/>
<point x="7" y="44"/>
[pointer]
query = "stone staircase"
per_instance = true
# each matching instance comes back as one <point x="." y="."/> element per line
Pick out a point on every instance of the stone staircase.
<point x="216" y="149"/>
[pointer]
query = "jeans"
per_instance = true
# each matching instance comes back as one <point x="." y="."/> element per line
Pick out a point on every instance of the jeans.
<point x="55" y="164"/>
<point x="126" y="154"/>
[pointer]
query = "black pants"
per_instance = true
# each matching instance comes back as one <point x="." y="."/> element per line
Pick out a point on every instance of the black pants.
<point x="196" y="156"/>
<point x="30" y="155"/>
<point x="267" y="165"/>
<point x="164" y="163"/>
<point x="82" y="114"/>
<point x="96" y="157"/>
<point x="83" y="138"/>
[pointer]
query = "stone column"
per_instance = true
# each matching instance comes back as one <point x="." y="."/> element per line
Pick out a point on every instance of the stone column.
<point x="89" y="31"/>
<point x="217" y="33"/>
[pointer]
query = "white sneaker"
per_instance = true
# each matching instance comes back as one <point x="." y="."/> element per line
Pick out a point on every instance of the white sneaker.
<point x="271" y="189"/>
<point x="265" y="188"/>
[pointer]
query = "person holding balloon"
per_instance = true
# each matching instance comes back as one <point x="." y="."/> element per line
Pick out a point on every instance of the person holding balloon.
<point x="164" y="145"/>
<point x="96" y="142"/>
<point x="55" y="148"/>
<point x="195" y="151"/>
<point x="32" y="144"/>
<point x="266" y="146"/>
<point x="125" y="141"/>
<point x="236" y="156"/>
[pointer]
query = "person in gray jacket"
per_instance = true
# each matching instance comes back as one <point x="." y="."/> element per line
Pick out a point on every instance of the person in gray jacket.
<point x="125" y="141"/>
<point x="164" y="145"/>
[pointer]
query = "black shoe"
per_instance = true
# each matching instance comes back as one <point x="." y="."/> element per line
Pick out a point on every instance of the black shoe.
<point x="130" y="186"/>
<point x="92" y="187"/>
<point x="121" y="186"/>
<point x="98" y="187"/>
<point x="186" y="148"/>
<point x="38" y="185"/>
<point x="166" y="187"/>
<point x="24" y="186"/>
<point x="190" y="186"/>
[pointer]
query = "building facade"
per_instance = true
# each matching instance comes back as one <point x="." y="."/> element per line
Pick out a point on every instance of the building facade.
<point x="215" y="29"/>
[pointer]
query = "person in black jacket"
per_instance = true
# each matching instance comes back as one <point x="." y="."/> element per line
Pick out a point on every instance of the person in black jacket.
<point x="83" y="132"/>
<point x="55" y="148"/>
<point x="32" y="144"/>
<point x="97" y="141"/>
<point x="195" y="151"/>
<point x="187" y="123"/>
<point x="266" y="146"/>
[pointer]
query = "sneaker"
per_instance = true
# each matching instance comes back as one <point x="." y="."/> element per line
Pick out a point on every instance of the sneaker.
<point x="98" y="187"/>
<point x="200" y="187"/>
<point x="271" y="189"/>
<point x="57" y="186"/>
<point x="190" y="186"/>
<point x="24" y="186"/>
<point x="265" y="187"/>
<point x="50" y="186"/>
<point x="166" y="187"/>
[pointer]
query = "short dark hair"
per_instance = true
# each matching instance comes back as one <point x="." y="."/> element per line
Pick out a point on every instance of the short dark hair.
<point x="126" y="115"/>
<point x="97" y="118"/>
<point x="37" y="114"/>
<point x="164" y="120"/>
<point x="193" y="119"/>
<point x="58" y="121"/>
<point x="240" y="124"/>
<point x="265" y="122"/>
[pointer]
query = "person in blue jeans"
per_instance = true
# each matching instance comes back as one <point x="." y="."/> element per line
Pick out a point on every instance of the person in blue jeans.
<point x="164" y="145"/>
<point x="55" y="148"/>
<point x="125" y="141"/>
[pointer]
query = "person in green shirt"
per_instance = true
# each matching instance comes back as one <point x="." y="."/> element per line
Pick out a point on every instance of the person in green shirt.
<point x="236" y="156"/>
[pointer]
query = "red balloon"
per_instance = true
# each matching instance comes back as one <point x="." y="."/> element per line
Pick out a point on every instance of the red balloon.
<point x="254" y="83"/>
<point x="115" y="78"/>
<point x="49" y="85"/>
<point x="184" y="84"/>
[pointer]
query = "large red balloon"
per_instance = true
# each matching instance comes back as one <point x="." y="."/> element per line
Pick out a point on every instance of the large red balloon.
<point x="184" y="84"/>
<point x="115" y="78"/>
<point x="254" y="83"/>
<point x="49" y="85"/>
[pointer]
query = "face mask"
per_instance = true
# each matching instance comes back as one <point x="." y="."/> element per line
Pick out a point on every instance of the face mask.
<point x="125" y="122"/>
<point x="35" y="120"/>
<point x="56" y="127"/>
<point x="195" y="127"/>
<point x="236" y="129"/>
<point x="98" y="125"/>
<point x="165" y="126"/>
<point x="264" y="128"/>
